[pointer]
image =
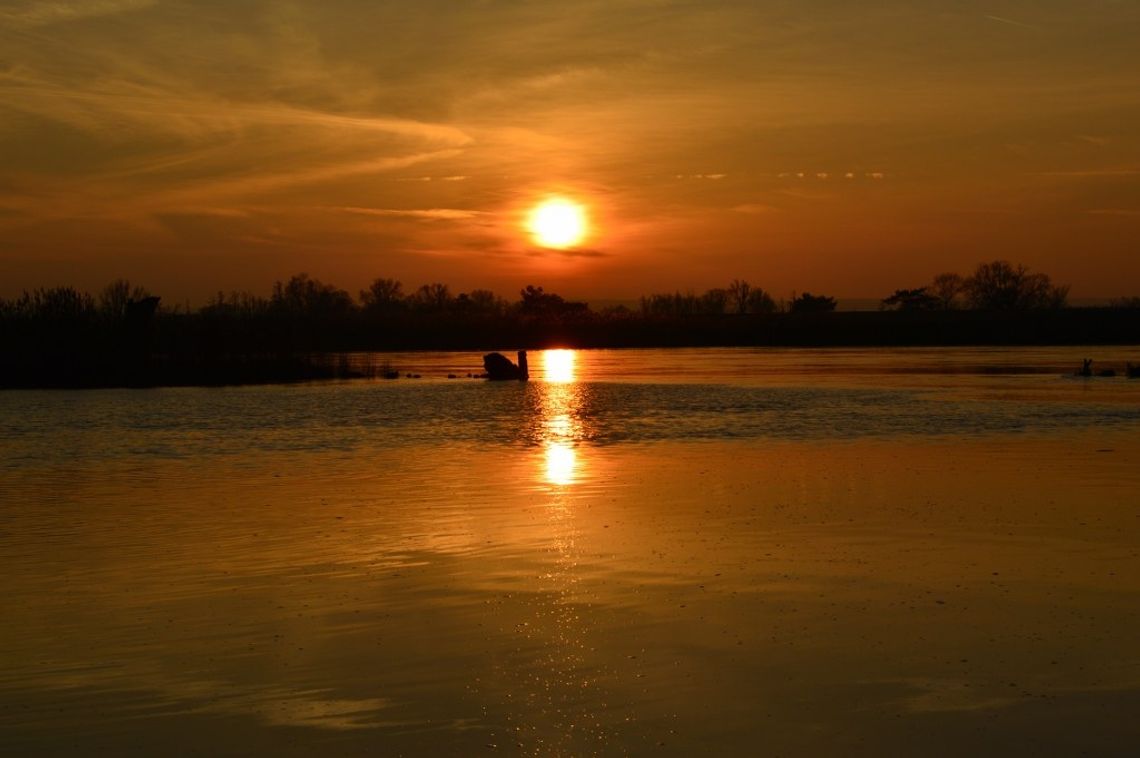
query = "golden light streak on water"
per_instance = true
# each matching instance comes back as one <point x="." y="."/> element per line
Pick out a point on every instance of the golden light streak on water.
<point x="561" y="421"/>
<point x="561" y="461"/>
<point x="559" y="365"/>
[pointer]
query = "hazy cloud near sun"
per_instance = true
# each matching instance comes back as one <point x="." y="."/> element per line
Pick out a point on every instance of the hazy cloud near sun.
<point x="117" y="114"/>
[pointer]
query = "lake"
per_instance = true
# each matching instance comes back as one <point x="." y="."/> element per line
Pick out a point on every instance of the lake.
<point x="716" y="551"/>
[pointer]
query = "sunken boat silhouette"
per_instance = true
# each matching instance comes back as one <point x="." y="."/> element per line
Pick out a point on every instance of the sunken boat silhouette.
<point x="499" y="367"/>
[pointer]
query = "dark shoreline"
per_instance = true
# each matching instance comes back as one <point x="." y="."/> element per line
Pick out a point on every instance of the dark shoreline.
<point x="190" y="350"/>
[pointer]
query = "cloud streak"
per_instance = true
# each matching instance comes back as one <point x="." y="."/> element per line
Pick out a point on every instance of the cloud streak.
<point x="427" y="214"/>
<point x="1125" y="212"/>
<point x="1010" y="22"/>
<point x="580" y="252"/>
<point x="35" y="14"/>
<point x="755" y="209"/>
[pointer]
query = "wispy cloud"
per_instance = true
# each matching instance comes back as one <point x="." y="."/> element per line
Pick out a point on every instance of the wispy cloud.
<point x="755" y="209"/>
<point x="1127" y="212"/>
<point x="43" y="13"/>
<point x="1094" y="172"/>
<point x="101" y="107"/>
<point x="427" y="214"/>
<point x="826" y="175"/>
<point x="269" y="181"/>
<point x="1011" y="22"/>
<point x="213" y="212"/>
<point x="574" y="252"/>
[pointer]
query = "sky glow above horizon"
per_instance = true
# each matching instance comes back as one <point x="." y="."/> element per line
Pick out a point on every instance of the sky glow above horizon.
<point x="825" y="146"/>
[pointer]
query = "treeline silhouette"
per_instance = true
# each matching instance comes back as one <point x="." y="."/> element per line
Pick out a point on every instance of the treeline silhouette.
<point x="125" y="336"/>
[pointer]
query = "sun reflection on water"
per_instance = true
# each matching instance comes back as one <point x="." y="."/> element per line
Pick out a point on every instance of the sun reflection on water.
<point x="566" y="717"/>
<point x="558" y="366"/>
<point x="560" y="422"/>
<point x="561" y="460"/>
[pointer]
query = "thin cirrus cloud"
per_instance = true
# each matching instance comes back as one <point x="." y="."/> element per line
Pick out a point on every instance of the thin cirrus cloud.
<point x="578" y="252"/>
<point x="35" y="14"/>
<point x="426" y="214"/>
<point x="755" y="209"/>
<point x="224" y="151"/>
<point x="1126" y="212"/>
<point x="1009" y="22"/>
<point x="97" y="107"/>
<point x="1094" y="173"/>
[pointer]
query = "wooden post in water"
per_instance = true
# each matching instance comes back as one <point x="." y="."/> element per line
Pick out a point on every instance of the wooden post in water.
<point x="524" y="371"/>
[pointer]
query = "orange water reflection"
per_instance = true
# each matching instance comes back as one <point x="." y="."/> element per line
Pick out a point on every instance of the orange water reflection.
<point x="561" y="461"/>
<point x="564" y="709"/>
<point x="558" y="365"/>
<point x="561" y="418"/>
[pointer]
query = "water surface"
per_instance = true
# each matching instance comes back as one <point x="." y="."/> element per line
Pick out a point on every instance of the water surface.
<point x="792" y="552"/>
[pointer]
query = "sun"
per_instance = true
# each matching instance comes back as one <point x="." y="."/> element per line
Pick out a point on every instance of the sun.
<point x="558" y="223"/>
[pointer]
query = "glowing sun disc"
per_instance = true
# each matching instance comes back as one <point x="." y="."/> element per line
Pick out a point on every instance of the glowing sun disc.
<point x="557" y="223"/>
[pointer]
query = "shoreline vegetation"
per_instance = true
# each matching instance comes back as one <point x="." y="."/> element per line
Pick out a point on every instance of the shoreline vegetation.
<point x="63" y="338"/>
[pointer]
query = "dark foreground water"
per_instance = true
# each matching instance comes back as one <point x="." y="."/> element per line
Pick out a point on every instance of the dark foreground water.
<point x="761" y="552"/>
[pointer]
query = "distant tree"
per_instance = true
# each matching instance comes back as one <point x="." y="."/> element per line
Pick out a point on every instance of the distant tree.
<point x="486" y="301"/>
<point x="738" y="293"/>
<point x="431" y="298"/>
<point x="742" y="297"/>
<point x="303" y="296"/>
<point x="616" y="312"/>
<point x="760" y="301"/>
<point x="54" y="304"/>
<point x="714" y="302"/>
<point x="534" y="299"/>
<point x="809" y="303"/>
<point x="236" y="305"/>
<point x="948" y="288"/>
<point x="648" y="304"/>
<point x="1125" y="302"/>
<point x="912" y="300"/>
<point x="536" y="302"/>
<point x="658" y="304"/>
<point x="1042" y="293"/>
<point x="1000" y="285"/>
<point x="114" y="297"/>
<point x="382" y="296"/>
<point x="678" y="305"/>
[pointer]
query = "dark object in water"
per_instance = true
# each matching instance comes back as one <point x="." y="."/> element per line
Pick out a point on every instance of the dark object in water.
<point x="1086" y="367"/>
<point x="1106" y="372"/>
<point x="499" y="367"/>
<point x="1133" y="372"/>
<point x="391" y="374"/>
<point x="452" y="376"/>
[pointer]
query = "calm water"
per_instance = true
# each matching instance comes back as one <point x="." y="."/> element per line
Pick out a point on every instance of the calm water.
<point x="785" y="552"/>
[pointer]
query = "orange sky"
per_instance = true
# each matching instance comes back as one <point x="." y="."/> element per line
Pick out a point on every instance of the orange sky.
<point x="837" y="147"/>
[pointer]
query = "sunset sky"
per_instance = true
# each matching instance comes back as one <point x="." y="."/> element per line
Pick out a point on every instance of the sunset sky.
<point x="841" y="147"/>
